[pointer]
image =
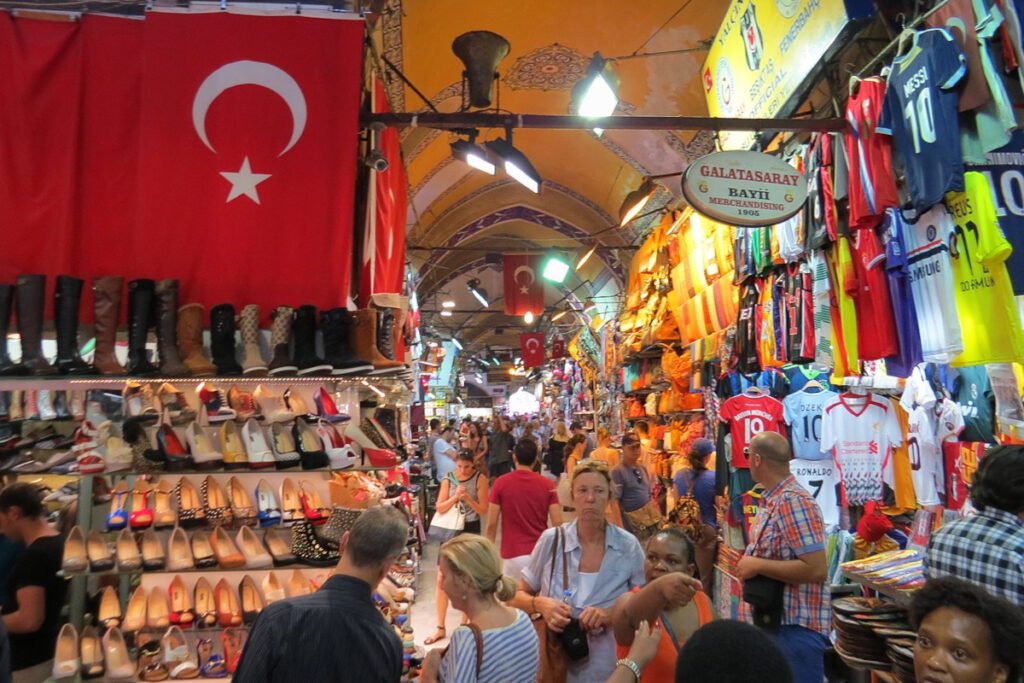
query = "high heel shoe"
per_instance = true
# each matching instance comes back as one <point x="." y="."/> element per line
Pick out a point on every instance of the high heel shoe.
<point x="313" y="507"/>
<point x="66" y="659"/>
<point x="309" y="549"/>
<point x="293" y="399"/>
<point x="340" y="454"/>
<point x="174" y="404"/>
<point x="100" y="559"/>
<point x="135" y="613"/>
<point x="272" y="405"/>
<point x="298" y="585"/>
<point x="281" y="440"/>
<point x="163" y="514"/>
<point x="256" y="447"/>
<point x="141" y="516"/>
<point x="181" y="603"/>
<point x="242" y="403"/>
<point x="190" y="506"/>
<point x="153" y="557"/>
<point x="242" y="508"/>
<point x="278" y="548"/>
<point x="179" y="551"/>
<point x="75" y="558"/>
<point x="117" y="455"/>
<point x="178" y="656"/>
<point x="252" y="601"/>
<point x="310" y="453"/>
<point x="291" y="506"/>
<point x="176" y="458"/>
<point x="206" y="605"/>
<point x="115" y="652"/>
<point x="211" y="665"/>
<point x="228" y="611"/>
<point x="109" y="613"/>
<point x="272" y="589"/>
<point x="228" y="556"/>
<point x="128" y="557"/>
<point x="231" y="445"/>
<point x="249" y="543"/>
<point x="203" y="550"/>
<point x="91" y="650"/>
<point x="158" y="612"/>
<point x="326" y="408"/>
<point x="233" y="641"/>
<point x="117" y="518"/>
<point x="269" y="509"/>
<point x="204" y="455"/>
<point x="215" y="503"/>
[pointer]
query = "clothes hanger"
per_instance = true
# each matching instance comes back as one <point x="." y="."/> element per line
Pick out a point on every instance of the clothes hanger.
<point x="813" y="384"/>
<point x="754" y="390"/>
<point x="906" y="34"/>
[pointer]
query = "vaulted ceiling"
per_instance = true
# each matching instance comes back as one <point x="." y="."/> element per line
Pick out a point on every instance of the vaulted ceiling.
<point x="459" y="216"/>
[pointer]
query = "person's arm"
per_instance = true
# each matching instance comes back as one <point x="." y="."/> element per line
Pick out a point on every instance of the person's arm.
<point x="445" y="501"/>
<point x="555" y="514"/>
<point x="643" y="651"/>
<point x="555" y="612"/>
<point x="259" y="658"/>
<point x="479" y="506"/>
<point x="666" y="592"/>
<point x="804" y="533"/>
<point x="31" y="611"/>
<point x="493" y="515"/>
<point x="807" y="568"/>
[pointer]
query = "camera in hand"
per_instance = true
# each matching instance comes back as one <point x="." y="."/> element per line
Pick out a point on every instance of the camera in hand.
<point x="574" y="641"/>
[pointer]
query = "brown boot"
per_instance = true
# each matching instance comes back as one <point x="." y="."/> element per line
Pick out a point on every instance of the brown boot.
<point x="190" y="341"/>
<point x="167" y="328"/>
<point x="106" y="295"/>
<point x="364" y="341"/>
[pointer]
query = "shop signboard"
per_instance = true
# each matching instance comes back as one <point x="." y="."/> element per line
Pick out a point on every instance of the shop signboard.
<point x="767" y="53"/>
<point x="744" y="188"/>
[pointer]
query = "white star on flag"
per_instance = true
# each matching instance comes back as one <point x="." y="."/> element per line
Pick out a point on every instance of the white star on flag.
<point x="244" y="182"/>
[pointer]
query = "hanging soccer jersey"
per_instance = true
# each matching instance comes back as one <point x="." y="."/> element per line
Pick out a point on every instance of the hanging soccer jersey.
<point x="821" y="479"/>
<point x="931" y="281"/>
<point x="803" y="413"/>
<point x="977" y="404"/>
<point x="876" y="330"/>
<point x="961" y="459"/>
<point x="822" y="308"/>
<point x="872" y="180"/>
<point x="897" y="473"/>
<point x="766" y="329"/>
<point x="920" y="112"/>
<point x="844" y="313"/>
<point x="860" y="431"/>
<point x="989" y="320"/>
<point x="904" y="314"/>
<point x="928" y="428"/>
<point x="747" y="338"/>
<point x="799" y="375"/>
<point x="799" y="314"/>
<point x="747" y="416"/>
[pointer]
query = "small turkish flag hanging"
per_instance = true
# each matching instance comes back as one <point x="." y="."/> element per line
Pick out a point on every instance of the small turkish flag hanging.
<point x="558" y="348"/>
<point x="532" y="347"/>
<point x="524" y="292"/>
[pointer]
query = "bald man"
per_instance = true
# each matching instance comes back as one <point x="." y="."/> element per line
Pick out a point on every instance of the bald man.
<point x="788" y="545"/>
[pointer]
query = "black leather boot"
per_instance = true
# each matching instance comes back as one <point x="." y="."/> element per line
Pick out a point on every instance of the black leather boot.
<point x="304" y="332"/>
<point x="66" y="301"/>
<point x="141" y="300"/>
<point x="281" y="362"/>
<point x="31" y="296"/>
<point x="7" y="366"/>
<point x="222" y="340"/>
<point x="336" y="326"/>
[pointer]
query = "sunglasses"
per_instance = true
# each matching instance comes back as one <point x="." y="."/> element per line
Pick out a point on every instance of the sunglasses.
<point x="639" y="477"/>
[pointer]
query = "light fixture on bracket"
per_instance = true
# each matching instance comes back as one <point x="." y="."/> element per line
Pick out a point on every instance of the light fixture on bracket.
<point x="478" y="292"/>
<point x="472" y="154"/>
<point x="555" y="269"/>
<point x="456" y="343"/>
<point x="589" y="305"/>
<point x="594" y="95"/>
<point x="445" y="313"/>
<point x="636" y="200"/>
<point x="586" y="256"/>
<point x="561" y="313"/>
<point x="517" y="166"/>
<point x="448" y="304"/>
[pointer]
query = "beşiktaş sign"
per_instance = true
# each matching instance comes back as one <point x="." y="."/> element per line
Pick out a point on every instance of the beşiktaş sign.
<point x="747" y="189"/>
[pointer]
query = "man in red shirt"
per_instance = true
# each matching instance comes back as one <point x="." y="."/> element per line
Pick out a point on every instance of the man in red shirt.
<point x="522" y="501"/>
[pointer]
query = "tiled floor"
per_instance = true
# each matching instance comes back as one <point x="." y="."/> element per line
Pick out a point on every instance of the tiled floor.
<point x="424" y="617"/>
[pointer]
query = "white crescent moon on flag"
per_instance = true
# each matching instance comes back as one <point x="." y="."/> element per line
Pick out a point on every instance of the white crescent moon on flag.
<point x="524" y="269"/>
<point x="531" y="342"/>
<point x="247" y="72"/>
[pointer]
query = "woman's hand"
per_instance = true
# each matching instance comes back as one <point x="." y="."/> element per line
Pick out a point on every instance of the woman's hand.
<point x="556" y="614"/>
<point x="595" y="619"/>
<point x="431" y="666"/>
<point x="645" y="644"/>
<point x="460" y="492"/>
<point x="678" y="589"/>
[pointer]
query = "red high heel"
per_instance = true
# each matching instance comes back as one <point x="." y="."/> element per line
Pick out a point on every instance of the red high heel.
<point x="327" y="408"/>
<point x="141" y="516"/>
<point x="379" y="457"/>
<point x="233" y="640"/>
<point x="312" y="505"/>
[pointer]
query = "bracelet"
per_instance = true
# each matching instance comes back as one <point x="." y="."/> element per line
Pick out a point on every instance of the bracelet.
<point x="533" y="604"/>
<point x="632" y="666"/>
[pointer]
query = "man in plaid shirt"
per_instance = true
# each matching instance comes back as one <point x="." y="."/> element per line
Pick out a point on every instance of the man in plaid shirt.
<point x="788" y="544"/>
<point x="987" y="548"/>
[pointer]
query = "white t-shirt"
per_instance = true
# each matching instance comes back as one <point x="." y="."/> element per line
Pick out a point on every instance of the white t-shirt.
<point x="443" y="454"/>
<point x="928" y="428"/>
<point x="821" y="479"/>
<point x="860" y="432"/>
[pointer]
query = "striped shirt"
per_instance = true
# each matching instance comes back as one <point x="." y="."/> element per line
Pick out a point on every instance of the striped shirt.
<point x="930" y="272"/>
<point x="511" y="654"/>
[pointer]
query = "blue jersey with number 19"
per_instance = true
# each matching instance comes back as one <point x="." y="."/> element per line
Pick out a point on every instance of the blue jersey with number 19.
<point x="920" y="113"/>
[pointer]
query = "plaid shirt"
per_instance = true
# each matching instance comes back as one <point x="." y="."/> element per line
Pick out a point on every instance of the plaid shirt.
<point x="789" y="525"/>
<point x="986" y="549"/>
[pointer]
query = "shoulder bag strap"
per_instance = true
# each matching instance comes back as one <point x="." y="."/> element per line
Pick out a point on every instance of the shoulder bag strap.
<point x="478" y="636"/>
<point x="554" y="557"/>
<point x="565" y="565"/>
<point x="668" y="629"/>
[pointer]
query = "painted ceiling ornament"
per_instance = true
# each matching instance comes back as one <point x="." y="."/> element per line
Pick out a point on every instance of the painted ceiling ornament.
<point x="553" y="67"/>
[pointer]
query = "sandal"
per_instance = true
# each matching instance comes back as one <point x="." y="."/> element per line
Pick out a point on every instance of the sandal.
<point x="210" y="665"/>
<point x="436" y="638"/>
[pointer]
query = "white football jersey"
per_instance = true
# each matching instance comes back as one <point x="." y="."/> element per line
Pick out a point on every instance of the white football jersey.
<point x="928" y="428"/>
<point x="860" y="431"/>
<point x="821" y="479"/>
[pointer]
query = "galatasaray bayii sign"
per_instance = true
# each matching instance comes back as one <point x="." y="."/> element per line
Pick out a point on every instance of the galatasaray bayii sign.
<point x="741" y="188"/>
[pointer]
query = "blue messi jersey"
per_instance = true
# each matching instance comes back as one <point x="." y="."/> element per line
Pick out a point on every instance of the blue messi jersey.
<point x="802" y="412"/>
<point x="904" y="313"/>
<point x="920" y="113"/>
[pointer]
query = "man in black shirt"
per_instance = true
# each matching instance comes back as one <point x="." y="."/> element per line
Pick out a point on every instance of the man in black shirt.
<point x="32" y="617"/>
<point x="335" y="634"/>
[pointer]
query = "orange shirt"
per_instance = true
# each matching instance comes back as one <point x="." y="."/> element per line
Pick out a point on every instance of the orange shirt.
<point x="663" y="666"/>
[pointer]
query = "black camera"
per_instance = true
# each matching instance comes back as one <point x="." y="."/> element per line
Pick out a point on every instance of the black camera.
<point x="574" y="641"/>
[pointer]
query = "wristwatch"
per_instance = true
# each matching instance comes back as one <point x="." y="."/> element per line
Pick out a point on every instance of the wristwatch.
<point x="631" y="665"/>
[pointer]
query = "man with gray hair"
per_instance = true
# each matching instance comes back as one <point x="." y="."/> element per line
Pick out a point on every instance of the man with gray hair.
<point x="335" y="634"/>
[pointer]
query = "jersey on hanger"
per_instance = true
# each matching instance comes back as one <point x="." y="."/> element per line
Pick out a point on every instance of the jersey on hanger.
<point x="977" y="404"/>
<point x="780" y="313"/>
<point x="821" y="479"/>
<point x="931" y="282"/>
<point x="803" y="413"/>
<point x="747" y="416"/>
<point x="876" y="330"/>
<point x="844" y="312"/>
<point x="860" y="431"/>
<point x="961" y="460"/>
<point x="920" y="113"/>
<point x="746" y="329"/>
<point x="822" y="308"/>
<point x="872" y="180"/>
<point x="989" y="321"/>
<point x="766" y="329"/>
<point x="799" y="314"/>
<point x="904" y="314"/>
<point x="927" y="429"/>
<point x="799" y="375"/>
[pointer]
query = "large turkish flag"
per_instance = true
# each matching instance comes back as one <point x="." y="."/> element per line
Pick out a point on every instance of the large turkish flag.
<point x="524" y="290"/>
<point x="531" y="346"/>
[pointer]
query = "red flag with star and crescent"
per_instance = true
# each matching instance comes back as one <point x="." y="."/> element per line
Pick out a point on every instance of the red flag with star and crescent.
<point x="524" y="290"/>
<point x="531" y="346"/>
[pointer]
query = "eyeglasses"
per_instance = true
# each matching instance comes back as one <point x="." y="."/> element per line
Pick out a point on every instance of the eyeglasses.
<point x="639" y="476"/>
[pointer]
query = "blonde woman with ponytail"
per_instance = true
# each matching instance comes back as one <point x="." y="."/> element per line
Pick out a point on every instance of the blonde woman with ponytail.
<point x="499" y="644"/>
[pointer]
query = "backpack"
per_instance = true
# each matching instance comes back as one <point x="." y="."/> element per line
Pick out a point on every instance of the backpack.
<point x="686" y="516"/>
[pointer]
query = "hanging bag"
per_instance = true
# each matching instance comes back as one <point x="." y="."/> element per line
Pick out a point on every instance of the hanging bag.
<point x="448" y="525"/>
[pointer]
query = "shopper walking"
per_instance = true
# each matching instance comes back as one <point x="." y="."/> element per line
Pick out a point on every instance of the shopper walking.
<point x="336" y="633"/>
<point x="640" y="513"/>
<point x="987" y="548"/>
<point x="521" y="502"/>
<point x="468" y="488"/>
<point x="602" y="562"/>
<point x="477" y="444"/>
<point x="443" y="454"/>
<point x="499" y="644"/>
<point x="604" y="450"/>
<point x="554" y="459"/>
<point x="785" y="561"/>
<point x="501" y="444"/>
<point x="575" y="447"/>
<point x="32" y="617"/>
<point x="577" y="428"/>
<point x="698" y="482"/>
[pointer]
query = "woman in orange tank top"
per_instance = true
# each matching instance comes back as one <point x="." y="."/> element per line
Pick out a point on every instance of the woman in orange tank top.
<point x="672" y="597"/>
